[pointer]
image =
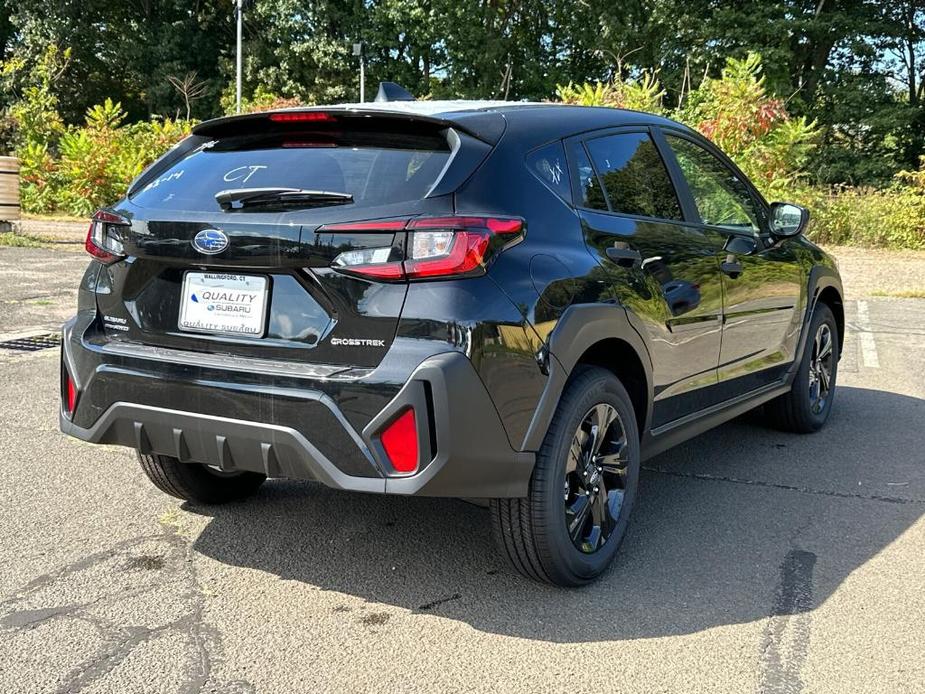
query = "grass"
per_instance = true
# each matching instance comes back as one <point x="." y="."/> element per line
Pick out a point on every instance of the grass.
<point x="54" y="217"/>
<point x="14" y="240"/>
<point x="902" y="294"/>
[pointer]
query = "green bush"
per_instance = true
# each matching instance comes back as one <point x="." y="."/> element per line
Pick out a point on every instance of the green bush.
<point x="77" y="169"/>
<point x="93" y="164"/>
<point x="891" y="218"/>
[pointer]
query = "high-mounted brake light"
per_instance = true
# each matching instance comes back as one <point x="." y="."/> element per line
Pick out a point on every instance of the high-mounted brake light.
<point x="435" y="247"/>
<point x="400" y="441"/>
<point x="302" y="117"/>
<point x="104" y="236"/>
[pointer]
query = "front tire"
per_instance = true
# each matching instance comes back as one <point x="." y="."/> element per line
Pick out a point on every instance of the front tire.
<point x="806" y="407"/>
<point x="198" y="483"/>
<point x="569" y="527"/>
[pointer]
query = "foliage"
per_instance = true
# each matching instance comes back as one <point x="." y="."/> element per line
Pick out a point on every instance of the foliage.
<point x="78" y="169"/>
<point x="839" y="100"/>
<point x="753" y="128"/>
<point x="35" y="113"/>
<point x="891" y="218"/>
<point x="643" y="94"/>
<point x="261" y="100"/>
<point x="16" y="240"/>
<point x="773" y="149"/>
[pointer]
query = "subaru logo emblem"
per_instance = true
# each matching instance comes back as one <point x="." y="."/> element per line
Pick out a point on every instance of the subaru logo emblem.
<point x="210" y="241"/>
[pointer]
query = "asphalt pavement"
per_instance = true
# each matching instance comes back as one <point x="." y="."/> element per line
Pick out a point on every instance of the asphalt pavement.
<point x="756" y="561"/>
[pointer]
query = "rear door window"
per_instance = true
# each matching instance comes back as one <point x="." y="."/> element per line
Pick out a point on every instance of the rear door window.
<point x="634" y="177"/>
<point x="375" y="170"/>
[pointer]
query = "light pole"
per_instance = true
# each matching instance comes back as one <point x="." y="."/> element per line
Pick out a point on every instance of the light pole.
<point x="239" y="11"/>
<point x="358" y="51"/>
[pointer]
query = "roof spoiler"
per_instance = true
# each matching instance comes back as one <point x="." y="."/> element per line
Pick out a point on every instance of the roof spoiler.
<point x="320" y="117"/>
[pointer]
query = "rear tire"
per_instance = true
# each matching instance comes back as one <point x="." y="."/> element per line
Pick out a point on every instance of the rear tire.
<point x="198" y="483"/>
<point x="806" y="407"/>
<point x="569" y="527"/>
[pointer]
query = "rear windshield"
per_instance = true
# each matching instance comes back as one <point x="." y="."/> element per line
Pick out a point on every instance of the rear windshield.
<point x="374" y="169"/>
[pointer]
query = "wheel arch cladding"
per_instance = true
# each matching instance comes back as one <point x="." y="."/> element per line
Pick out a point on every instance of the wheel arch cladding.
<point x="831" y="297"/>
<point x="618" y="356"/>
<point x="599" y="335"/>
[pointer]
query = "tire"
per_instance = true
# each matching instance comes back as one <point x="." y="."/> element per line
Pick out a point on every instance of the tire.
<point x="800" y="410"/>
<point x="198" y="483"/>
<point x="532" y="533"/>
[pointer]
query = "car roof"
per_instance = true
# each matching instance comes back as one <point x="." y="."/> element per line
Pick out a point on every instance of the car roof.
<point x="450" y="109"/>
<point x="533" y="123"/>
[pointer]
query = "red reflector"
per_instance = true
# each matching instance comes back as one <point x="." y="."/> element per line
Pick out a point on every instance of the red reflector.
<point x="400" y="441"/>
<point x="302" y="117"/>
<point x="71" y="394"/>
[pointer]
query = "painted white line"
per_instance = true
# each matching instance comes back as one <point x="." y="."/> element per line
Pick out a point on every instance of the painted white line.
<point x="866" y="338"/>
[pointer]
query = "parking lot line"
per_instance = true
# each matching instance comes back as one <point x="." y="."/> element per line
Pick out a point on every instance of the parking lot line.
<point x="866" y="338"/>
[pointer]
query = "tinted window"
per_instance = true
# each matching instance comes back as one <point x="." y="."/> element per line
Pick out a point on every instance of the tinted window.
<point x="548" y="164"/>
<point x="374" y="172"/>
<point x="634" y="176"/>
<point x="589" y="188"/>
<point x="722" y="199"/>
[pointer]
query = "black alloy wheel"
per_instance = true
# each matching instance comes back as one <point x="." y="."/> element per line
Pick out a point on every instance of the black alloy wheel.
<point x="595" y="478"/>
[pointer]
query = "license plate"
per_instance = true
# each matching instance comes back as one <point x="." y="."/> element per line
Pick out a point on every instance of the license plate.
<point x="223" y="304"/>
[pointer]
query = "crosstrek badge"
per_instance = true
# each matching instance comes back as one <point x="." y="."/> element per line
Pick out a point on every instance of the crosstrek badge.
<point x="356" y="342"/>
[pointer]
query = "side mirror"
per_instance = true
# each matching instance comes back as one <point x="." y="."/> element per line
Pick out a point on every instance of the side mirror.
<point x="788" y="219"/>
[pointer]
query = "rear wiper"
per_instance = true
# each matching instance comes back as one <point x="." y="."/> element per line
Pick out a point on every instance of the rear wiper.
<point x="249" y="197"/>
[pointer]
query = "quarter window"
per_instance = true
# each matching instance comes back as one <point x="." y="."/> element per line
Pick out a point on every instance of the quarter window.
<point x="548" y="164"/>
<point x="722" y="198"/>
<point x="634" y="176"/>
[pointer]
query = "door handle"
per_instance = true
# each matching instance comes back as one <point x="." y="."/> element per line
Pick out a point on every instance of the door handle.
<point x="624" y="257"/>
<point x="733" y="268"/>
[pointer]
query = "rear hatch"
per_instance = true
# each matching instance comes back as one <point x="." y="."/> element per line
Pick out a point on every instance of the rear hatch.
<point x="231" y="244"/>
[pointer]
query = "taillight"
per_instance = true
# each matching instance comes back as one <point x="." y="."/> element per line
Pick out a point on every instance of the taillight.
<point x="435" y="247"/>
<point x="104" y="236"/>
<point x="400" y="441"/>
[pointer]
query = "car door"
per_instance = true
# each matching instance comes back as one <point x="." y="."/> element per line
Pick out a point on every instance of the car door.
<point x="762" y="277"/>
<point x="663" y="270"/>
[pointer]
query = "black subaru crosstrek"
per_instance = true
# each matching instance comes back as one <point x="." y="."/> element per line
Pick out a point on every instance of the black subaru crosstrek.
<point x="509" y="302"/>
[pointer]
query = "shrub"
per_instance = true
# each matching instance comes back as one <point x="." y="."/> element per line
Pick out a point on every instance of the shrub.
<point x="261" y="100"/>
<point x="751" y="127"/>
<point x="891" y="218"/>
<point x="643" y="94"/>
<point x="95" y="162"/>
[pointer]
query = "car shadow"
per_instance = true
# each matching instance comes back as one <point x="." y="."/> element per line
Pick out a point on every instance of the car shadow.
<point x="732" y="527"/>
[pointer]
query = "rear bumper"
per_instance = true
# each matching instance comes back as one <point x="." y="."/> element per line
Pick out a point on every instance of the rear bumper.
<point x="296" y="427"/>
